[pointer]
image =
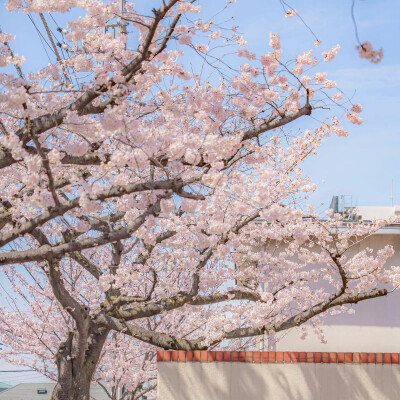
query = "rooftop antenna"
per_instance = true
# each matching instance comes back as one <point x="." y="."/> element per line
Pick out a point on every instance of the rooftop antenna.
<point x="392" y="197"/>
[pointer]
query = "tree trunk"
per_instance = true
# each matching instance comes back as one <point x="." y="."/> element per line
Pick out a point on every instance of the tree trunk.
<point x="75" y="373"/>
<point x="76" y="388"/>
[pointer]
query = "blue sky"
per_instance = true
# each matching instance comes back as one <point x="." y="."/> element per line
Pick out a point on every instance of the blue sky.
<point x="362" y="165"/>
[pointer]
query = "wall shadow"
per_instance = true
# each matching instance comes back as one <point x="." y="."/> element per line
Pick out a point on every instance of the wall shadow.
<point x="291" y="381"/>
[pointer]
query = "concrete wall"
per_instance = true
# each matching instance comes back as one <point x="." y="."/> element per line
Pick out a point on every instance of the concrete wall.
<point x="300" y="381"/>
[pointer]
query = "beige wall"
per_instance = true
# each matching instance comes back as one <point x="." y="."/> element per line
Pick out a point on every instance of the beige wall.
<point x="343" y="338"/>
<point x="375" y="326"/>
<point x="300" y="381"/>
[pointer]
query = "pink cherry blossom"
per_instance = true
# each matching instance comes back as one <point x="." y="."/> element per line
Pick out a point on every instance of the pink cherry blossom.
<point x="320" y="77"/>
<point x="186" y="39"/>
<point x="247" y="54"/>
<point x="274" y="41"/>
<point x="291" y="13"/>
<point x="305" y="80"/>
<point x="366" y="51"/>
<point x="202" y="48"/>
<point x="354" y="118"/>
<point x="306" y="58"/>
<point x="139" y="176"/>
<point x="330" y="55"/>
<point x="329" y="84"/>
<point x="215" y="35"/>
<point x="337" y="97"/>
<point x="356" y="108"/>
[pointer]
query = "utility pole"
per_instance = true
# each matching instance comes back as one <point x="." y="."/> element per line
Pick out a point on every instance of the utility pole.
<point x="122" y="24"/>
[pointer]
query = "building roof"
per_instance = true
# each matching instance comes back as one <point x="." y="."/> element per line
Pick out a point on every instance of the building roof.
<point x="368" y="213"/>
<point x="343" y="204"/>
<point x="4" y="385"/>
<point x="31" y="391"/>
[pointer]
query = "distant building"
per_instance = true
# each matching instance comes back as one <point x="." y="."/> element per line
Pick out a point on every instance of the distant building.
<point x="343" y="204"/>
<point x="375" y="326"/>
<point x="4" y="386"/>
<point x="43" y="391"/>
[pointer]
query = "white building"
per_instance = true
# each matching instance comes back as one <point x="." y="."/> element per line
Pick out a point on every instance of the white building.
<point x="375" y="326"/>
<point x="360" y="361"/>
<point x="43" y="391"/>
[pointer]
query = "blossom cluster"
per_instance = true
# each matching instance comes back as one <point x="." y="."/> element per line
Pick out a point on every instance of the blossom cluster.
<point x="366" y="51"/>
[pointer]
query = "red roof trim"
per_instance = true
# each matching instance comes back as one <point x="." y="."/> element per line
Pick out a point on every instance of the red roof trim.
<point x="280" y="357"/>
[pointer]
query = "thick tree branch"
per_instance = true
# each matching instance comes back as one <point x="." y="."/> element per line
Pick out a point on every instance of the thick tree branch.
<point x="267" y="126"/>
<point x="52" y="268"/>
<point x="158" y="339"/>
<point x="166" y="341"/>
<point x="47" y="168"/>
<point x="182" y="298"/>
<point x="302" y="317"/>
<point x="113" y="191"/>
<point x="83" y="105"/>
<point x="48" y="252"/>
<point x="86" y="264"/>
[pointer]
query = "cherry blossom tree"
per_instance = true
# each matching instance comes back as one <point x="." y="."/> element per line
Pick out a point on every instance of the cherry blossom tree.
<point x="145" y="198"/>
